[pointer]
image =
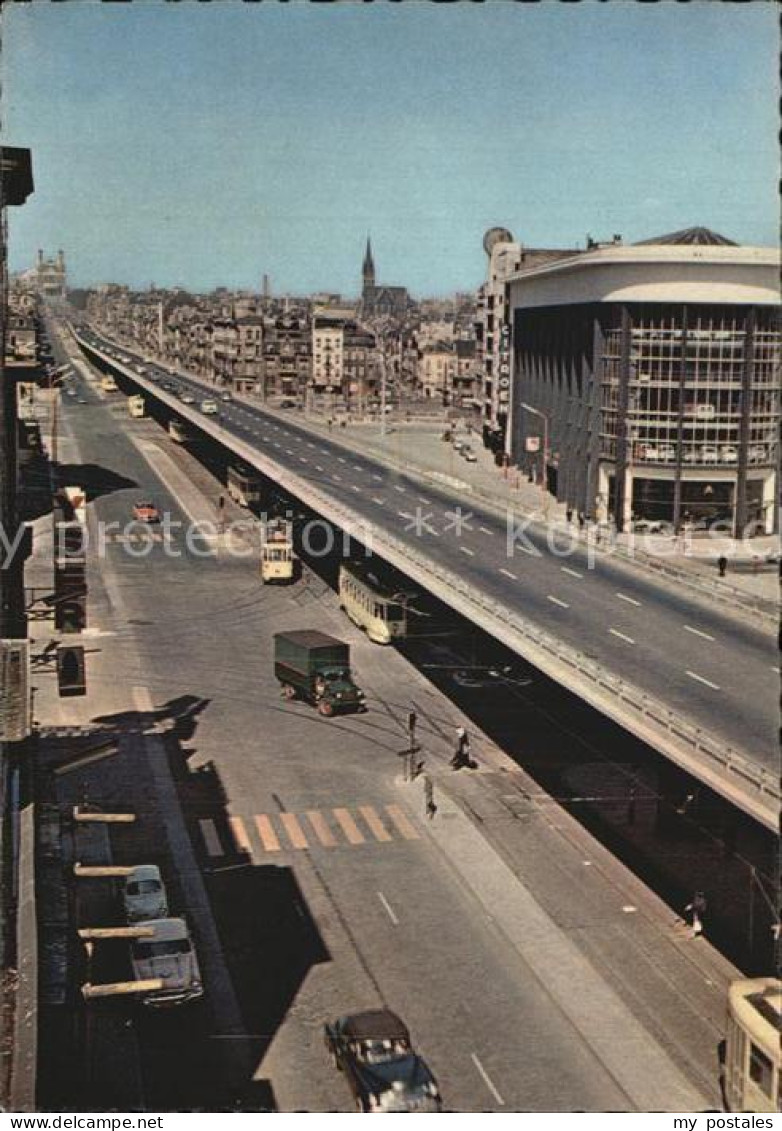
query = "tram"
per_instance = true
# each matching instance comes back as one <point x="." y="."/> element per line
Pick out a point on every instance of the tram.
<point x="244" y="486"/>
<point x="750" y="1053"/>
<point x="277" y="556"/>
<point x="370" y="604"/>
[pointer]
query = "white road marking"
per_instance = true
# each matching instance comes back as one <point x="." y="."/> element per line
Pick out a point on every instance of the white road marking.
<point x="341" y="459"/>
<point x="775" y="669"/>
<point x="404" y="514"/>
<point x="467" y="550"/>
<point x="700" y="679"/>
<point x="556" y="601"/>
<point x="401" y="490"/>
<point x="323" y="451"/>
<point x="289" y="451"/>
<point x="487" y="1080"/>
<point x="379" y="478"/>
<point x="508" y="573"/>
<point x="309" y="445"/>
<point x="426" y="502"/>
<point x="697" y="632"/>
<point x="356" y="489"/>
<point x="357" y="467"/>
<point x="277" y="443"/>
<point x="338" y="478"/>
<point x="485" y="530"/>
<point x="621" y="635"/>
<point x="571" y="572"/>
<point x="388" y="908"/>
<point x="380" y="502"/>
<point x="630" y="600"/>
<point x="318" y="467"/>
<point x="303" y="459"/>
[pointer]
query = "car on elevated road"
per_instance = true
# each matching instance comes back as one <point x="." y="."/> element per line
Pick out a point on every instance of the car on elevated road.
<point x="384" y="1073"/>
<point x="145" y="511"/>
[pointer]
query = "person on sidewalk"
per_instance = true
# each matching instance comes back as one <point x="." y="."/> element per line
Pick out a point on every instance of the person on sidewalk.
<point x="569" y="515"/>
<point x="722" y="565"/>
<point x="697" y="910"/>
<point x="462" y="755"/>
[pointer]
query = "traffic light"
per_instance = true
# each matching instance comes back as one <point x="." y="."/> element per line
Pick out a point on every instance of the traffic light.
<point x="71" y="676"/>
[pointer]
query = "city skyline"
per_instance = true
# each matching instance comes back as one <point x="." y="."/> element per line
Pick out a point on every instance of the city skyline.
<point x="203" y="147"/>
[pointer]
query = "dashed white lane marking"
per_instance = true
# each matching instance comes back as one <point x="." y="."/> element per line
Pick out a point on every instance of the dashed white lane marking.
<point x="508" y="573"/>
<point x="571" y="572"/>
<point x="318" y="467"/>
<point x="487" y="1080"/>
<point x="378" y="478"/>
<point x="426" y="502"/>
<point x="323" y="451"/>
<point x="357" y="467"/>
<point x="401" y="490"/>
<point x="338" y="478"/>
<point x="277" y="443"/>
<point x="467" y="550"/>
<point x="700" y="679"/>
<point x="303" y="459"/>
<point x="485" y="530"/>
<point x="356" y="489"/>
<point x="697" y="632"/>
<point x="380" y="502"/>
<point x="388" y="909"/>
<point x="289" y="451"/>
<point x="556" y="601"/>
<point x="621" y="635"/>
<point x="341" y="459"/>
<point x="309" y="445"/>
<point x="630" y="600"/>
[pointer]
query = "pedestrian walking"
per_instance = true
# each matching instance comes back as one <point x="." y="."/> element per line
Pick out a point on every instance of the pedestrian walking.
<point x="697" y="910"/>
<point x="429" y="805"/>
<point x="722" y="565"/>
<point x="462" y="754"/>
<point x="581" y="521"/>
<point x="412" y="719"/>
<point x="569" y="515"/>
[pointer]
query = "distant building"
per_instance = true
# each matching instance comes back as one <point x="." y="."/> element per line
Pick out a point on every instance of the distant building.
<point x="378" y="301"/>
<point x="646" y="379"/>
<point x="48" y="277"/>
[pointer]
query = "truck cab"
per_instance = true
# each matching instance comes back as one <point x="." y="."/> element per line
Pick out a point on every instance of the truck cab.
<point x="313" y="666"/>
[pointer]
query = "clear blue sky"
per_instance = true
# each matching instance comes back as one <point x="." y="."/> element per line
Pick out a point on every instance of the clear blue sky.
<point x="203" y="144"/>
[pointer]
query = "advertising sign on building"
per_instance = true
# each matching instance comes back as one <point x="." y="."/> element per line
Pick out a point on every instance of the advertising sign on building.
<point x="532" y="443"/>
<point x="15" y="705"/>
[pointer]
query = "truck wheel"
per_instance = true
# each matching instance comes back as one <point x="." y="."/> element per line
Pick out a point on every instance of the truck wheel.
<point x="325" y="708"/>
<point x="288" y="691"/>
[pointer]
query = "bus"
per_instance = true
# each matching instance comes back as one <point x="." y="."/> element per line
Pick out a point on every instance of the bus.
<point x="244" y="486"/>
<point x="136" y="406"/>
<point x="108" y="384"/>
<point x="277" y="556"/>
<point x="370" y="604"/>
<point x="749" y="1055"/>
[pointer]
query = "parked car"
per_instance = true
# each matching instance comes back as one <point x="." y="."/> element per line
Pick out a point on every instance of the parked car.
<point x="668" y="453"/>
<point x="143" y="895"/>
<point x="169" y="955"/>
<point x="468" y="454"/>
<point x="383" y="1072"/>
<point x="709" y="455"/>
<point x="287" y="404"/>
<point x="188" y="398"/>
<point x="146" y="511"/>
<point x="729" y="454"/>
<point x="208" y="407"/>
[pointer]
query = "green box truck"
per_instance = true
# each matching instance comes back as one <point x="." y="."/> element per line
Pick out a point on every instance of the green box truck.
<point x="316" y="667"/>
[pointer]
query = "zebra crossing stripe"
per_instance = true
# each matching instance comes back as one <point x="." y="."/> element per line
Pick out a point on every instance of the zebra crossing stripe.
<point x="322" y="830"/>
<point x="294" y="830"/>
<point x="402" y="823"/>
<point x="241" y="839"/>
<point x="211" y="839"/>
<point x="349" y="826"/>
<point x="376" y="826"/>
<point x="266" y="833"/>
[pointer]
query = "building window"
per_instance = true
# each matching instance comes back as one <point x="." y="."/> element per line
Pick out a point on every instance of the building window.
<point x="761" y="1070"/>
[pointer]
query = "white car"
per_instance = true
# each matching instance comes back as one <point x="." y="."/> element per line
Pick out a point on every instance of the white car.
<point x="728" y="454"/>
<point x="168" y="954"/>
<point x="208" y="407"/>
<point x="144" y="896"/>
<point x="709" y="455"/>
<point x="188" y="398"/>
<point x="226" y="396"/>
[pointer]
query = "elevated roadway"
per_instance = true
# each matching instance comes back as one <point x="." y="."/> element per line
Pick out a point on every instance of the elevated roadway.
<point x="697" y="684"/>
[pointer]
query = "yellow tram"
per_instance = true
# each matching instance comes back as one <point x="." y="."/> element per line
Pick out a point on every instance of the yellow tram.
<point x="277" y="556"/>
<point x="750" y="1058"/>
<point x="370" y="604"/>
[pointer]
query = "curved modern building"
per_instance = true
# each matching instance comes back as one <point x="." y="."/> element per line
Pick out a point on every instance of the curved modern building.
<point x="646" y="380"/>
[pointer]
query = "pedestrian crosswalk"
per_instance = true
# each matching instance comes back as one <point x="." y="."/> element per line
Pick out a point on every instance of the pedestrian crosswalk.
<point x="265" y="833"/>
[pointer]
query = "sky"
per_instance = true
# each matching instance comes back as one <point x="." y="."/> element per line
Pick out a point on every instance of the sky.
<point x="204" y="144"/>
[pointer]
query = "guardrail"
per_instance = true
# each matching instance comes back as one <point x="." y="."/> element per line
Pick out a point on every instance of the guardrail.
<point x="720" y="766"/>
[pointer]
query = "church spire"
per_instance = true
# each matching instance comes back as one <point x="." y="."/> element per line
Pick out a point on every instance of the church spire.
<point x="368" y="268"/>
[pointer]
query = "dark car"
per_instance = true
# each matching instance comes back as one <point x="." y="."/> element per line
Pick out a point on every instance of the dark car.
<point x="373" y="1049"/>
